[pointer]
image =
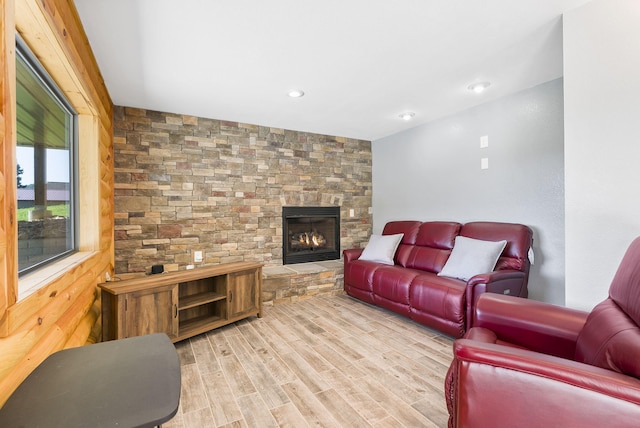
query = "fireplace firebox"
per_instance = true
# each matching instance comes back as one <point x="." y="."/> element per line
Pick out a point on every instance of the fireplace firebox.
<point x="310" y="234"/>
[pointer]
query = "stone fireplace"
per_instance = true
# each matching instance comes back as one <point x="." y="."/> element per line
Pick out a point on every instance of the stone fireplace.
<point x="310" y="234"/>
<point x="185" y="184"/>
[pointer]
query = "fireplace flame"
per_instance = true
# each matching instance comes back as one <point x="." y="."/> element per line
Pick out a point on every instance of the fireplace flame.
<point x="310" y="240"/>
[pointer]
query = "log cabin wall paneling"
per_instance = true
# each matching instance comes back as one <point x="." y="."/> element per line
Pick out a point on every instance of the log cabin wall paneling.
<point x="64" y="312"/>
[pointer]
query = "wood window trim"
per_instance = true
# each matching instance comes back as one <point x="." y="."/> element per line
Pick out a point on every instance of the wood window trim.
<point x="41" y="26"/>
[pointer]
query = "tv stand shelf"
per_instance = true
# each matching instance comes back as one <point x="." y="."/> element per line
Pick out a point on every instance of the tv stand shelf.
<point x="199" y="299"/>
<point x="181" y="304"/>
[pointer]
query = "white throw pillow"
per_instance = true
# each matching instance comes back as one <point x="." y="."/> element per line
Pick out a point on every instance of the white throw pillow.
<point x="471" y="257"/>
<point x="381" y="248"/>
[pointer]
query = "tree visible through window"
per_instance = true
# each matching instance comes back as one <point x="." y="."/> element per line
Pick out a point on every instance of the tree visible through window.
<point x="45" y="170"/>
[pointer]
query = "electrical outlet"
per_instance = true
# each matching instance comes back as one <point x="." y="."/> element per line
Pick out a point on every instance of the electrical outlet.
<point x="197" y="256"/>
<point x="352" y="212"/>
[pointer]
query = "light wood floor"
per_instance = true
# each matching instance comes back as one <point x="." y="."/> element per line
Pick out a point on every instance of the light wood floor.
<point x="325" y="361"/>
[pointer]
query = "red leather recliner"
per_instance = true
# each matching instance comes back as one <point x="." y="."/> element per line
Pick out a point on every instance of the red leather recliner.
<point x="532" y="364"/>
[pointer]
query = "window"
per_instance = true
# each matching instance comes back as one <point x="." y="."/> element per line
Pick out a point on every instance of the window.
<point x="45" y="153"/>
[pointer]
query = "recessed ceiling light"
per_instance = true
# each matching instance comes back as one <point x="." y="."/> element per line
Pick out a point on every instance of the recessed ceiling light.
<point x="406" y="115"/>
<point x="478" y="87"/>
<point x="296" y="93"/>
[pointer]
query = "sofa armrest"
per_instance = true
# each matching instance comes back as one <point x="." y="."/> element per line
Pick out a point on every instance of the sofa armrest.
<point x="352" y="254"/>
<point x="495" y="385"/>
<point x="508" y="281"/>
<point x="538" y="326"/>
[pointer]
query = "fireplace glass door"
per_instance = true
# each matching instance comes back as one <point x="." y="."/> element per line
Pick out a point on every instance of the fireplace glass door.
<point x="310" y="234"/>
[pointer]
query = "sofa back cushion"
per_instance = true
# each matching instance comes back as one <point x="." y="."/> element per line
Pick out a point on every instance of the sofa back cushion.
<point x="625" y="287"/>
<point x="610" y="339"/>
<point x="433" y="245"/>
<point x="611" y="336"/>
<point x="410" y="231"/>
<point x="518" y="236"/>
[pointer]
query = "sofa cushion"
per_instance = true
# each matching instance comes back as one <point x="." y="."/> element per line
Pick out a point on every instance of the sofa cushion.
<point x="381" y="248"/>
<point x="439" y="296"/>
<point x="438" y="234"/>
<point x="518" y="237"/>
<point x="408" y="228"/>
<point x="392" y="282"/>
<point x="433" y="245"/>
<point x="359" y="274"/>
<point x="610" y="339"/>
<point x="410" y="231"/>
<point x="471" y="257"/>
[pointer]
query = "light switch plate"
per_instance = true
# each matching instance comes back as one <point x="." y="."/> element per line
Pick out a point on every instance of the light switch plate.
<point x="484" y="163"/>
<point x="197" y="256"/>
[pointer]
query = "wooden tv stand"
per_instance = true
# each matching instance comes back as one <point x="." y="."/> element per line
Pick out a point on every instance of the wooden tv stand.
<point x="181" y="304"/>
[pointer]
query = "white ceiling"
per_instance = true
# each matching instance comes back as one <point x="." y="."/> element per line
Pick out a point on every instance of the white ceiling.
<point x="360" y="62"/>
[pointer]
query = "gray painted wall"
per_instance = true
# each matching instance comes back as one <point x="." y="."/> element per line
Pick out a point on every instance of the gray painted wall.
<point x="602" y="149"/>
<point x="432" y="172"/>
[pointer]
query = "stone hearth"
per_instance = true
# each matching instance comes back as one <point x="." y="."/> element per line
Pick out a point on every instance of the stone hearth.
<point x="290" y="283"/>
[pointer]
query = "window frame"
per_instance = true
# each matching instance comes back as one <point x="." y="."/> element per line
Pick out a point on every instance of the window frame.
<point x="48" y="84"/>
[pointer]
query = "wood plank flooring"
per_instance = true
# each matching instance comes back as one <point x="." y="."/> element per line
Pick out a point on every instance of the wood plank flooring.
<point x="325" y="361"/>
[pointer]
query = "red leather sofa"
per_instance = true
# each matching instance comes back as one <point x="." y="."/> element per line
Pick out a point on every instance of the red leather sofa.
<point x="533" y="364"/>
<point x="411" y="286"/>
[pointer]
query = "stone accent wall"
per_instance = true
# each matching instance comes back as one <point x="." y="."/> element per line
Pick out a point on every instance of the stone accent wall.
<point x="184" y="183"/>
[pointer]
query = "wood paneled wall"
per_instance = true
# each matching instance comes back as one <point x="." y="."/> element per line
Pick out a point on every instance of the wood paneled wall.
<point x="65" y="311"/>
